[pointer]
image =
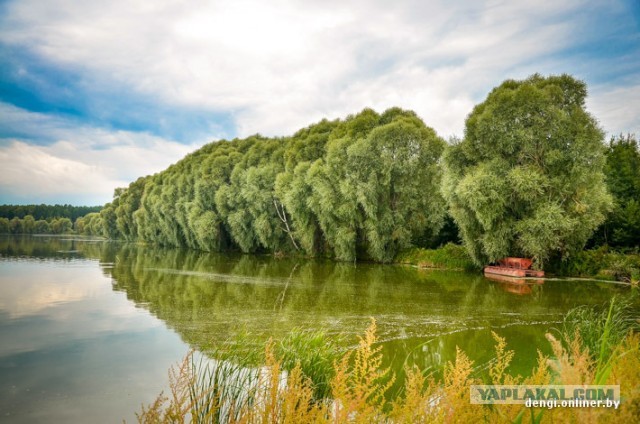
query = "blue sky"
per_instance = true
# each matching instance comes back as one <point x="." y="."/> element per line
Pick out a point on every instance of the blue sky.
<point x="95" y="94"/>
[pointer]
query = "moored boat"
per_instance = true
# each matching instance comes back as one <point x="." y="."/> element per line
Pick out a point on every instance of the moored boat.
<point x="513" y="267"/>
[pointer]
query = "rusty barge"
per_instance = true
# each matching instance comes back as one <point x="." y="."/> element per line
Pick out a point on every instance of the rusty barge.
<point x="513" y="267"/>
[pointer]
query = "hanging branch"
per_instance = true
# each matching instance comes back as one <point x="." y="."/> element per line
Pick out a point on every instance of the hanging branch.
<point x="283" y="217"/>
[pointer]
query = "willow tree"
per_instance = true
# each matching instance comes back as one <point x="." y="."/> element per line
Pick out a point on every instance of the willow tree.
<point x="396" y="177"/>
<point x="204" y="217"/>
<point x="128" y="203"/>
<point x="378" y="186"/>
<point x="527" y="179"/>
<point x="293" y="188"/>
<point x="333" y="197"/>
<point x="247" y="202"/>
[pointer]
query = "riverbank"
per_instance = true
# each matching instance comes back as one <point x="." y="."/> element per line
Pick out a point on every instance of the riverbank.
<point x="601" y="263"/>
<point x="450" y="257"/>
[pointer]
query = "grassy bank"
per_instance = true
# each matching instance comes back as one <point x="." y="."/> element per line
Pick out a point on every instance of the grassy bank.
<point x="598" y="263"/>
<point x="450" y="256"/>
<point x="604" y="350"/>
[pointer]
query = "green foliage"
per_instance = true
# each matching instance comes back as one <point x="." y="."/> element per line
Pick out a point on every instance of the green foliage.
<point x="599" y="263"/>
<point x="601" y="330"/>
<point x="15" y="225"/>
<point x="450" y="256"/>
<point x="396" y="178"/>
<point x="4" y="226"/>
<point x="622" y="170"/>
<point x="90" y="224"/>
<point x="46" y="212"/>
<point x="377" y="187"/>
<point x="61" y="226"/>
<point x="527" y="179"/>
<point x="128" y="203"/>
<point x="315" y="353"/>
<point x="108" y="217"/>
<point x="364" y="187"/>
<point x="28" y="225"/>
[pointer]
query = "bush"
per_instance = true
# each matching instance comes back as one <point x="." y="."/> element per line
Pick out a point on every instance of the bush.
<point x="450" y="256"/>
<point x="599" y="263"/>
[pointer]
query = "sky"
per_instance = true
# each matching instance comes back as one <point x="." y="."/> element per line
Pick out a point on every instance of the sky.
<point x="96" y="94"/>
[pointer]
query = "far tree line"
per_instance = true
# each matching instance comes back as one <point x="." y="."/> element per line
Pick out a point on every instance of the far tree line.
<point x="531" y="177"/>
<point x="46" y="212"/>
<point x="29" y="225"/>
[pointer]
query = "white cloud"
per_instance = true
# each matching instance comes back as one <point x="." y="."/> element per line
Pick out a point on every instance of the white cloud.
<point x="278" y="66"/>
<point x="82" y="162"/>
<point x="617" y="108"/>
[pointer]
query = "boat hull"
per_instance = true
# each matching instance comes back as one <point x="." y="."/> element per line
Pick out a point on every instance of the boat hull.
<point x="512" y="272"/>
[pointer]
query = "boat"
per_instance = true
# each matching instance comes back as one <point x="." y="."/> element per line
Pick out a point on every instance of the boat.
<point x="513" y="267"/>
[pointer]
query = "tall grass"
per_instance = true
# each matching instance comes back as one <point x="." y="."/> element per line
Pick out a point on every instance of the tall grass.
<point x="359" y="386"/>
<point x="315" y="353"/>
<point x="600" y="330"/>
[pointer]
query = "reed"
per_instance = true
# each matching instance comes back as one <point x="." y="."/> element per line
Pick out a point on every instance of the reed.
<point x="359" y="385"/>
<point x="600" y="329"/>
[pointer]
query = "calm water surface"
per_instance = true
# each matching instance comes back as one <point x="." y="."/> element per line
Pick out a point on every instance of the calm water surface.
<point x="88" y="329"/>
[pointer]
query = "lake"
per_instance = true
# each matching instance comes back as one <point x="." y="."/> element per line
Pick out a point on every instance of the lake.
<point x="89" y="328"/>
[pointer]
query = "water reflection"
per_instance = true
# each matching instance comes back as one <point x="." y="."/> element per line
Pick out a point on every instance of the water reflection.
<point x="71" y="347"/>
<point x="422" y="315"/>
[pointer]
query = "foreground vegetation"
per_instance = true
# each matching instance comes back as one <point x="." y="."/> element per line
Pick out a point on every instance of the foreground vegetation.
<point x="604" y="348"/>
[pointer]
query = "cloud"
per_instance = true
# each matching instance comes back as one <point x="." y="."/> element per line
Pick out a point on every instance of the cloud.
<point x="281" y="65"/>
<point x="617" y="109"/>
<point x="144" y="75"/>
<point x="79" y="163"/>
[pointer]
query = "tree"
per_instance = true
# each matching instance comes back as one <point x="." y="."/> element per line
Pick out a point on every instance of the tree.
<point x="527" y="179"/>
<point x="247" y="202"/>
<point x="4" y="225"/>
<point x="15" y="225"/>
<point x="396" y="177"/>
<point x="362" y="187"/>
<point x="42" y="227"/>
<point x="61" y="225"/>
<point x="294" y="189"/>
<point x="28" y="224"/>
<point x="622" y="170"/>
<point x="376" y="189"/>
<point x="128" y="203"/>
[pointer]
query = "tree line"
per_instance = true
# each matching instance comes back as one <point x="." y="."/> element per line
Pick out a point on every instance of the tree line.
<point x="29" y="225"/>
<point x="362" y="187"/>
<point x="46" y="212"/>
<point x="531" y="177"/>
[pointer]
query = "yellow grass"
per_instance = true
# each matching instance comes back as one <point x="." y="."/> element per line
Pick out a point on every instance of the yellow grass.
<point x="360" y="385"/>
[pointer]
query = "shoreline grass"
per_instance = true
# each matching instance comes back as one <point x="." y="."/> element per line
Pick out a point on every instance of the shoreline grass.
<point x="359" y="384"/>
<point x="451" y="256"/>
<point x="599" y="264"/>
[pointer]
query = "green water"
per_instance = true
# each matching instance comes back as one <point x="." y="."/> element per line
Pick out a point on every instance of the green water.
<point x="89" y="328"/>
